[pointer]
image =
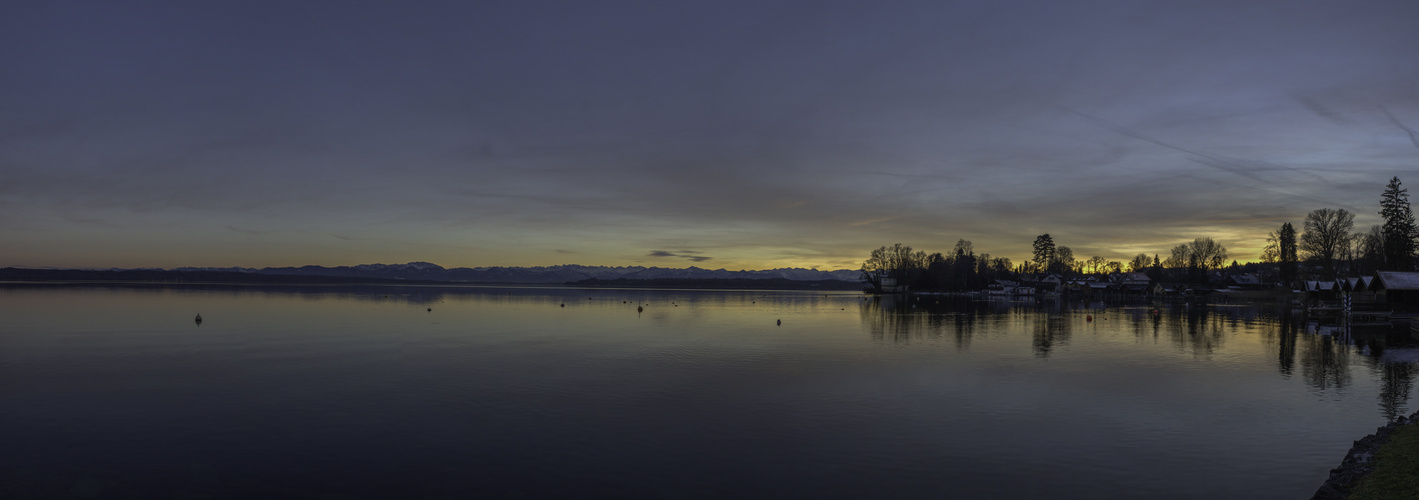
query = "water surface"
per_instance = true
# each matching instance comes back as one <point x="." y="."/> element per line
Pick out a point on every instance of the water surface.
<point x="446" y="392"/>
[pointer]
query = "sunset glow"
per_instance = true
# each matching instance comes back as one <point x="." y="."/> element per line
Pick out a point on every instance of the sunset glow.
<point x="750" y="136"/>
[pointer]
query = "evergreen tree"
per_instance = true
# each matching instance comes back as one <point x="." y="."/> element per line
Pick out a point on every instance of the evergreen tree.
<point x="939" y="274"/>
<point x="1286" y="252"/>
<point x="1398" y="230"/>
<point x="1044" y="251"/>
<point x="965" y="266"/>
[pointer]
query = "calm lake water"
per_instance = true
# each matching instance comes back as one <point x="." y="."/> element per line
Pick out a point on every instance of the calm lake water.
<point x="339" y="392"/>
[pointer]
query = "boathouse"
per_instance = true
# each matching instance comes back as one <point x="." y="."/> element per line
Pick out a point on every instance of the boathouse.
<point x="1397" y="288"/>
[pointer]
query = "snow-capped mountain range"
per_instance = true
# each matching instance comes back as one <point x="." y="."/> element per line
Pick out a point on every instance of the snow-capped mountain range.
<point x="543" y="275"/>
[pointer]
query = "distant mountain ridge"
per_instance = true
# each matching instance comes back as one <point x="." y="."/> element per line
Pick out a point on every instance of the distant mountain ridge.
<point x="426" y="271"/>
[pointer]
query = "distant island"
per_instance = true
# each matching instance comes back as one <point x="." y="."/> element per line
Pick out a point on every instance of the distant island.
<point x="20" y="275"/>
<point x="428" y="273"/>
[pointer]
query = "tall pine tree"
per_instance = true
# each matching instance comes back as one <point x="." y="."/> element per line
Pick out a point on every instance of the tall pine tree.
<point x="1286" y="252"/>
<point x="1044" y="252"/>
<point x="1398" y="231"/>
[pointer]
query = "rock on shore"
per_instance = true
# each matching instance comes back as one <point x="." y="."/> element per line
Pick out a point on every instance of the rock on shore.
<point x="1358" y="462"/>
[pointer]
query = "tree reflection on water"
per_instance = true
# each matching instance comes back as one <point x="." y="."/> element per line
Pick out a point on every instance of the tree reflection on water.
<point x="1050" y="330"/>
<point x="1287" y="331"/>
<point x="906" y="319"/>
<point x="1391" y="359"/>
<point x="1324" y="362"/>
<point x="1198" y="329"/>
<point x="1397" y="379"/>
<point x="1328" y="358"/>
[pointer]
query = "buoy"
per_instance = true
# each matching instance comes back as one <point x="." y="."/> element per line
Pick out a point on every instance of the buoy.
<point x="199" y="319"/>
<point x="1089" y="318"/>
<point x="431" y="309"/>
<point x="780" y="322"/>
<point x="639" y="309"/>
<point x="564" y="305"/>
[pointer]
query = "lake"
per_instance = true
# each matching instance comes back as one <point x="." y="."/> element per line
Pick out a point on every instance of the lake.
<point x="452" y="392"/>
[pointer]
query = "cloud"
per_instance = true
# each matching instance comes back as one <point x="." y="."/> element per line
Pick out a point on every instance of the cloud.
<point x="1413" y="135"/>
<point x="1322" y="110"/>
<point x="794" y="140"/>
<point x="690" y="255"/>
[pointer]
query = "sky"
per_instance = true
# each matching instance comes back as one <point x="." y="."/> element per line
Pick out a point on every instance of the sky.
<point x="737" y="135"/>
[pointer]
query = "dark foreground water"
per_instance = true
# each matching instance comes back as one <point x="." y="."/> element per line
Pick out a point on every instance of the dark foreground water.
<point x="113" y="392"/>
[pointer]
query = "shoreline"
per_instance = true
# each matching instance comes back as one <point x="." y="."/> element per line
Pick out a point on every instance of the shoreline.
<point x="1359" y="461"/>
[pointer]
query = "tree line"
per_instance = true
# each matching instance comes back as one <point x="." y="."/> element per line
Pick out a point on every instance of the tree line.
<point x="1330" y="247"/>
<point x="1326" y="247"/>
<point x="960" y="270"/>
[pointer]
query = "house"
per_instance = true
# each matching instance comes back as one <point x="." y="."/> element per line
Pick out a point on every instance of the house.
<point x="1362" y="290"/>
<point x="1138" y="285"/>
<point x="1136" y="277"/>
<point x="1246" y="282"/>
<point x="1322" y="290"/>
<point x="1049" y="283"/>
<point x="1001" y="287"/>
<point x="1102" y="288"/>
<point x="1090" y="287"/>
<point x="1399" y="288"/>
<point x="889" y="285"/>
<point x="883" y="282"/>
<point x="1141" y="289"/>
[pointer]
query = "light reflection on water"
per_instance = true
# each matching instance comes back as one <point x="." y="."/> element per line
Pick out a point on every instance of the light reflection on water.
<point x="429" y="391"/>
